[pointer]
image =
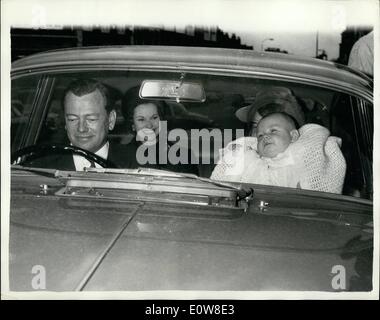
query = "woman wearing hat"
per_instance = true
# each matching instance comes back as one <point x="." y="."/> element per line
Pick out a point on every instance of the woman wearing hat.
<point x="306" y="157"/>
<point x="271" y="100"/>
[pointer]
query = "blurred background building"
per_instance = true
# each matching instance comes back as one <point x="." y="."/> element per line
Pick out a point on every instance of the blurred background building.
<point x="274" y="49"/>
<point x="28" y="41"/>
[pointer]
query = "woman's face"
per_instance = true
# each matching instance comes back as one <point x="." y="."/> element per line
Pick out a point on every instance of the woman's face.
<point x="255" y="120"/>
<point x="145" y="116"/>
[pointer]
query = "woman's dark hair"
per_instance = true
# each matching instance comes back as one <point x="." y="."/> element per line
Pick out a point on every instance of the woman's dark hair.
<point x="131" y="100"/>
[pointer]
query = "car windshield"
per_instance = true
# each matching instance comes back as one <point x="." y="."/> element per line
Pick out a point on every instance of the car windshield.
<point x="196" y="135"/>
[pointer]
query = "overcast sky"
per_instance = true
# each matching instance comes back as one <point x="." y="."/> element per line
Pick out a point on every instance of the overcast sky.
<point x="293" y="24"/>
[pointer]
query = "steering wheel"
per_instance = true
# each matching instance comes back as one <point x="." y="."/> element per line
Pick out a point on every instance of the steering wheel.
<point x="37" y="151"/>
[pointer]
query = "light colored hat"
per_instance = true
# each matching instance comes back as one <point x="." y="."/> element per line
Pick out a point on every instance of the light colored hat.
<point x="283" y="100"/>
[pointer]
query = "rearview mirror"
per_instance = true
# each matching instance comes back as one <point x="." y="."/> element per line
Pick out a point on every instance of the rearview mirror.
<point x="172" y="90"/>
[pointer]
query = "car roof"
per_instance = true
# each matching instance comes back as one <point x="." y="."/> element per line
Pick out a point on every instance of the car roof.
<point x="217" y="59"/>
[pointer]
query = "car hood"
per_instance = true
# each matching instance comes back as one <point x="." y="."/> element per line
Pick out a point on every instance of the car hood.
<point x="283" y="241"/>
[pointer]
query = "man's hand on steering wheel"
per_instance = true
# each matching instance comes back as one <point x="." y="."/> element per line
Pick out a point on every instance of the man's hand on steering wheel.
<point x="22" y="156"/>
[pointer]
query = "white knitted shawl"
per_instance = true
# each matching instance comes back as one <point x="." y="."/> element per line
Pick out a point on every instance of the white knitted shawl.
<point x="313" y="162"/>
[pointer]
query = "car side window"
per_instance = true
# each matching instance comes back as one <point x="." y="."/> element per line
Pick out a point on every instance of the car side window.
<point x="351" y="120"/>
<point x="53" y="128"/>
<point x="363" y="116"/>
<point x="24" y="92"/>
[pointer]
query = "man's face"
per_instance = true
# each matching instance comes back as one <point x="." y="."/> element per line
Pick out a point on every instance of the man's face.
<point x="87" y="121"/>
<point x="274" y="134"/>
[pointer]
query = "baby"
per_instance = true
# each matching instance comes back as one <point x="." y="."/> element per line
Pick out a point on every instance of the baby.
<point x="275" y="133"/>
<point x="282" y="155"/>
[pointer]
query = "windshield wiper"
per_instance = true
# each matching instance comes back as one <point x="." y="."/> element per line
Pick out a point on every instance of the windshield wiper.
<point x="42" y="171"/>
<point x="243" y="192"/>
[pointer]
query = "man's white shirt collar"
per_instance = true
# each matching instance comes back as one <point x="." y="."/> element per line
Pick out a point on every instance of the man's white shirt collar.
<point x="81" y="163"/>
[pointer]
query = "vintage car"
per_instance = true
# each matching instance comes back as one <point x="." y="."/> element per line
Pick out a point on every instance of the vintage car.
<point x="123" y="229"/>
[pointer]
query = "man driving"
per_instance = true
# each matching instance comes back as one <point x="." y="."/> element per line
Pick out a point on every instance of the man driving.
<point x="89" y="116"/>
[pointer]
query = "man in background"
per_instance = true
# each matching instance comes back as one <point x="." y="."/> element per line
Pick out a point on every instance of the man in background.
<point x="361" y="56"/>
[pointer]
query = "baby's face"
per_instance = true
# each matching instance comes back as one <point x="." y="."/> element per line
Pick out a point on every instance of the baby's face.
<point x="274" y="134"/>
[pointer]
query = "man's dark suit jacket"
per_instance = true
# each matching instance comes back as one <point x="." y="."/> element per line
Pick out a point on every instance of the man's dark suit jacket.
<point x="117" y="154"/>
